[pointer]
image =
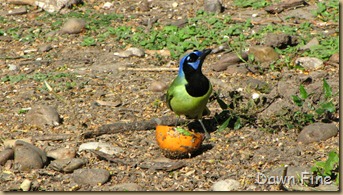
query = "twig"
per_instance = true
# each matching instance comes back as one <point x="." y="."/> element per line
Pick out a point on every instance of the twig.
<point x="147" y="69"/>
<point x="104" y="156"/>
<point x="56" y="137"/>
<point x="53" y="92"/>
<point x="132" y="126"/>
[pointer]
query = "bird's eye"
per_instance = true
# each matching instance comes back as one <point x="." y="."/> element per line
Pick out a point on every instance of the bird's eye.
<point x="192" y="57"/>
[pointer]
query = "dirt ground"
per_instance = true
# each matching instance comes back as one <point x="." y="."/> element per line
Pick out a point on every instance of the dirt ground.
<point x="230" y="154"/>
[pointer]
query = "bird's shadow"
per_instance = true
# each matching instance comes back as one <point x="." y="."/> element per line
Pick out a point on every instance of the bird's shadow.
<point x="202" y="149"/>
<point x="211" y="124"/>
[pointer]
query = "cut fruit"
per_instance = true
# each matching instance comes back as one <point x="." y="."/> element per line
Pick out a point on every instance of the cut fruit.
<point x="177" y="142"/>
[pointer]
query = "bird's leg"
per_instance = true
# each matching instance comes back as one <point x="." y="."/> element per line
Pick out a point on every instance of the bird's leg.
<point x="207" y="135"/>
<point x="177" y="120"/>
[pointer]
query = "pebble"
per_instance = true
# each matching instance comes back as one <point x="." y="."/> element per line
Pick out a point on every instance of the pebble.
<point x="126" y="187"/>
<point x="45" y="48"/>
<point x="292" y="171"/>
<point x="73" y="26"/>
<point x="42" y="115"/>
<point x="6" y="38"/>
<point x="91" y="176"/>
<point x="237" y="69"/>
<point x="61" y="153"/>
<point x="12" y="67"/>
<point x="263" y="53"/>
<point x="101" y="146"/>
<point x="257" y="85"/>
<point x="279" y="40"/>
<point x="227" y="60"/>
<point x="213" y="6"/>
<point x="107" y="5"/>
<point x="310" y="63"/>
<point x="5" y="155"/>
<point x="67" y="165"/>
<point x="28" y="156"/>
<point x="25" y="185"/>
<point x="158" y="86"/>
<point x="334" y="58"/>
<point x="18" y="11"/>
<point x="311" y="43"/>
<point x="226" y="185"/>
<point x="132" y="51"/>
<point x="317" y="132"/>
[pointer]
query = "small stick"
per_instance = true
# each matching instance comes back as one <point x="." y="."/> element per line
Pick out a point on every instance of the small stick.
<point x="132" y="126"/>
<point x="53" y="92"/>
<point x="148" y="69"/>
<point x="55" y="137"/>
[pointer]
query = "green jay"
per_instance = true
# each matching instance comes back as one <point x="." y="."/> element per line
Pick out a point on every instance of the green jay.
<point x="188" y="94"/>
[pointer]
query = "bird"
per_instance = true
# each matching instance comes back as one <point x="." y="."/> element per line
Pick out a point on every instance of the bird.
<point x="189" y="92"/>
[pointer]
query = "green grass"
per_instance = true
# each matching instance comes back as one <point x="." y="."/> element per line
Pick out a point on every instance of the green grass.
<point x="328" y="168"/>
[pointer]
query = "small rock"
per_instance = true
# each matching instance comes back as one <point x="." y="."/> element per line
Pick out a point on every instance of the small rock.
<point x="213" y="6"/>
<point x="175" y="4"/>
<point x="226" y="185"/>
<point x="73" y="26"/>
<point x="144" y="6"/>
<point x="227" y="60"/>
<point x="67" y="165"/>
<point x="28" y="156"/>
<point x="123" y="54"/>
<point x="126" y="187"/>
<point x="18" y="11"/>
<point x="5" y="38"/>
<point x="219" y="49"/>
<point x="45" y="48"/>
<point x="25" y="185"/>
<point x="43" y="115"/>
<point x="12" y="67"/>
<point x="327" y="188"/>
<point x="317" y="132"/>
<point x="309" y="63"/>
<point x="91" y="176"/>
<point x="61" y="153"/>
<point x="310" y="44"/>
<point x="263" y="53"/>
<point x="237" y="69"/>
<point x="158" y="86"/>
<point x="133" y="51"/>
<point x="5" y="155"/>
<point x="292" y="171"/>
<point x="257" y="85"/>
<point x="136" y="51"/>
<point x="107" y="5"/>
<point x="103" y="147"/>
<point x="279" y="40"/>
<point x="179" y="23"/>
<point x="334" y="58"/>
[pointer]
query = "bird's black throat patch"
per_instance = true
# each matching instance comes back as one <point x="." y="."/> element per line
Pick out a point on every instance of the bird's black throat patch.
<point x="198" y="85"/>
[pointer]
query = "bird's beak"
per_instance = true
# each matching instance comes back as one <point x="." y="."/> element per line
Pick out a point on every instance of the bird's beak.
<point x="205" y="52"/>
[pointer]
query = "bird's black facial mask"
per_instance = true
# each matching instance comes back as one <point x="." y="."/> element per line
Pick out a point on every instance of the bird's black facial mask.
<point x="193" y="62"/>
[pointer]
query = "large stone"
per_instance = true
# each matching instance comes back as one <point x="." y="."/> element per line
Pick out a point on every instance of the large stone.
<point x="317" y="132"/>
<point x="226" y="185"/>
<point x="43" y="115"/>
<point x="91" y="176"/>
<point x="28" y="156"/>
<point x="264" y="53"/>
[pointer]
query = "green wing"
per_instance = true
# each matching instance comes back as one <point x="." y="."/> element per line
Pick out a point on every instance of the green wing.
<point x="170" y="93"/>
